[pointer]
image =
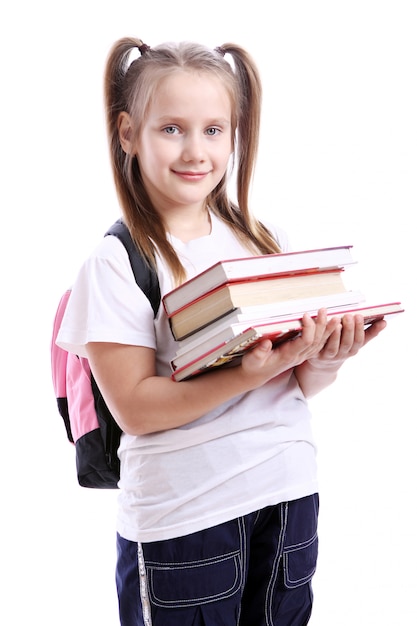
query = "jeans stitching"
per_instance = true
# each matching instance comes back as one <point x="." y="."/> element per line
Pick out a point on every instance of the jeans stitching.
<point x="269" y="596"/>
<point x="162" y="565"/>
<point x="301" y="545"/>
<point x="243" y="558"/>
<point x="235" y="556"/>
<point x="296" y="548"/>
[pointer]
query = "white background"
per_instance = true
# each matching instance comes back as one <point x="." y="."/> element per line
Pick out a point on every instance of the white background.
<point x="337" y="165"/>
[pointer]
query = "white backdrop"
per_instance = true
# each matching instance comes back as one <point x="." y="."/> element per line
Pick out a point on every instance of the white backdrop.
<point x="337" y="165"/>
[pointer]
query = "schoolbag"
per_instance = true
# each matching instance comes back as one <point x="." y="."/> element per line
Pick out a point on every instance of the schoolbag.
<point x="88" y="422"/>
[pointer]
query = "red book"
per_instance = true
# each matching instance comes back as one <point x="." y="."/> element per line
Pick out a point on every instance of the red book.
<point x="280" y="290"/>
<point x="232" y="342"/>
<point x="246" y="268"/>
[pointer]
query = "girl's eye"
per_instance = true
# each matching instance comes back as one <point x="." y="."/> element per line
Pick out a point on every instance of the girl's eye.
<point x="212" y="131"/>
<point x="170" y="130"/>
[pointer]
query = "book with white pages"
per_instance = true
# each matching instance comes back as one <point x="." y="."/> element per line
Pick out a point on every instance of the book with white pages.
<point x="260" y="266"/>
<point x="252" y="314"/>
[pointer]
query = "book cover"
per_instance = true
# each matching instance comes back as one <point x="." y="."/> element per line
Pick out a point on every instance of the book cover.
<point x="244" y="268"/>
<point x="228" y="347"/>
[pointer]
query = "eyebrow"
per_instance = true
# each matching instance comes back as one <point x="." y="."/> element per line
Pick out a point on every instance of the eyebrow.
<point x="167" y="119"/>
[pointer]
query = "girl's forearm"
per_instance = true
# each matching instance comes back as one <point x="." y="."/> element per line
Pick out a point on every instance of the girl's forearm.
<point x="158" y="403"/>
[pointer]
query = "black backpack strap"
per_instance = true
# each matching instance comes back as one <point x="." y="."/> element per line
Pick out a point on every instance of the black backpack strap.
<point x="145" y="275"/>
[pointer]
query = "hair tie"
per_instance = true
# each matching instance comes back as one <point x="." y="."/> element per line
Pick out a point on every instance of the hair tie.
<point x="220" y="50"/>
<point x="143" y="47"/>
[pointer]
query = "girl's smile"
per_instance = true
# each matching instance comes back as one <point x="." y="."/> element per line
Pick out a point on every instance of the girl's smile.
<point x="191" y="176"/>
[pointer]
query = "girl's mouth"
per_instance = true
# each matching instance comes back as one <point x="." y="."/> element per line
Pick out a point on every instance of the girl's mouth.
<point x="191" y="176"/>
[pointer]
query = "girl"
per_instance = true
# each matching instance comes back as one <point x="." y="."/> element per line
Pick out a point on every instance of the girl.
<point x="217" y="521"/>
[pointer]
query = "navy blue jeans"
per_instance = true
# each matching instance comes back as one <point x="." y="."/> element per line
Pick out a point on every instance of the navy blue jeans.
<point x="252" y="571"/>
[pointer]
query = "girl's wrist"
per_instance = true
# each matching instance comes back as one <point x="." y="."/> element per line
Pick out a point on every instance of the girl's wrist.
<point x="323" y="365"/>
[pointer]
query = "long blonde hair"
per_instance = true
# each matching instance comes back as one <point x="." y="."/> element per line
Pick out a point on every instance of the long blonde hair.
<point x="130" y="85"/>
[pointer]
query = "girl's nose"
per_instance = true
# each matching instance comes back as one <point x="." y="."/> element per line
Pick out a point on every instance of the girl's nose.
<point x="193" y="149"/>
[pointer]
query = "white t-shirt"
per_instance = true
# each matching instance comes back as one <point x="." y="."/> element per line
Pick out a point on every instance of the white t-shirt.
<point x="250" y="452"/>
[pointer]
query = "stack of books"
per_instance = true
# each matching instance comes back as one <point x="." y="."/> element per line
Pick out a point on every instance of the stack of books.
<point x="227" y="309"/>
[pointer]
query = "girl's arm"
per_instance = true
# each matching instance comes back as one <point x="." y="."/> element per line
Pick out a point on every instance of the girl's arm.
<point x="142" y="402"/>
<point x="346" y="339"/>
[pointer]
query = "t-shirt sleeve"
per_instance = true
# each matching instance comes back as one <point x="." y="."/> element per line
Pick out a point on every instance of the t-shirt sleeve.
<point x="106" y="304"/>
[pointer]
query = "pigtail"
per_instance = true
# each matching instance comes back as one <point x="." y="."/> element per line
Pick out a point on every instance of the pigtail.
<point x="246" y="150"/>
<point x="250" y="90"/>
<point x="116" y="98"/>
<point x="120" y="93"/>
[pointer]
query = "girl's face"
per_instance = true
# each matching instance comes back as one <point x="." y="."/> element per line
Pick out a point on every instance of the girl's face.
<point x="185" y="141"/>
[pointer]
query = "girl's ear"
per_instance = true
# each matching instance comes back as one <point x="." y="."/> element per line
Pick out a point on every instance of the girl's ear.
<point x="125" y="132"/>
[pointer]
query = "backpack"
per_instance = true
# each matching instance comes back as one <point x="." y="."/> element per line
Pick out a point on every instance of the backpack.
<point x="88" y="422"/>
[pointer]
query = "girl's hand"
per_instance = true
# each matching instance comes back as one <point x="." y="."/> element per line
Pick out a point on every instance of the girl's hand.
<point x="263" y="362"/>
<point x="346" y="339"/>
